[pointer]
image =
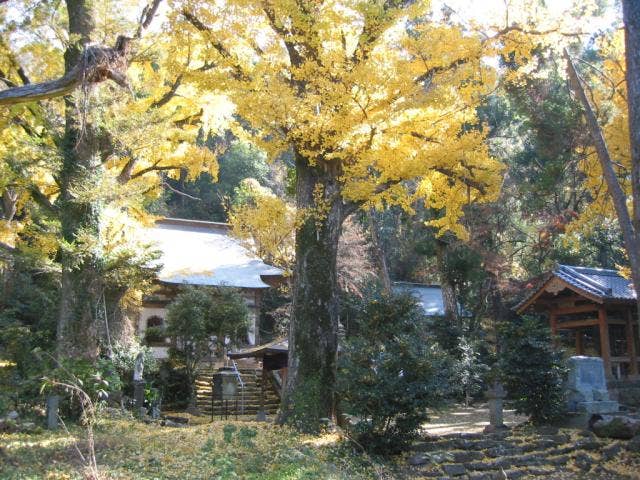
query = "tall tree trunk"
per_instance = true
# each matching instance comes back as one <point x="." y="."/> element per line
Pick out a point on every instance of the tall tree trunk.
<point x="631" y="14"/>
<point x="81" y="169"/>
<point x="309" y="394"/>
<point x="378" y="250"/>
<point x="449" y="298"/>
<point x="629" y="222"/>
<point x="498" y="311"/>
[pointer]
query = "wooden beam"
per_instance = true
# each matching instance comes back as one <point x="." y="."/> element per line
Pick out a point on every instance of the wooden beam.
<point x="605" y="349"/>
<point x="542" y="290"/>
<point x="631" y="347"/>
<point x="578" y="309"/>
<point x="576" y="324"/>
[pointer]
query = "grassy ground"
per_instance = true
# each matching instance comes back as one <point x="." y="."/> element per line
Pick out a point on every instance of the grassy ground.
<point x="220" y="450"/>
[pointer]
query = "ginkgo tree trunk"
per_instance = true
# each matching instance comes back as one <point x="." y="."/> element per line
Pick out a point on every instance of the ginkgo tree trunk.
<point x="377" y="103"/>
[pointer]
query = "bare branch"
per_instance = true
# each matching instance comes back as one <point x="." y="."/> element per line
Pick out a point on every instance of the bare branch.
<point x="146" y="17"/>
<point x="184" y="194"/>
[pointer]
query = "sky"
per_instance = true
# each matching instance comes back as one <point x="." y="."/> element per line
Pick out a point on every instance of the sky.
<point x="493" y="11"/>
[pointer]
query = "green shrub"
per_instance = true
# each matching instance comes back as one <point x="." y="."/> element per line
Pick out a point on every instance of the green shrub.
<point x="468" y="370"/>
<point x="390" y="372"/>
<point x="194" y="316"/>
<point x="532" y="369"/>
<point x="154" y="336"/>
<point x="99" y="380"/>
<point x="172" y="382"/>
<point x="28" y="315"/>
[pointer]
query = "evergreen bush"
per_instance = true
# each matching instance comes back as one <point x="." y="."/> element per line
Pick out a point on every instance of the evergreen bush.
<point x="195" y="316"/>
<point x="390" y="372"/>
<point x="533" y="370"/>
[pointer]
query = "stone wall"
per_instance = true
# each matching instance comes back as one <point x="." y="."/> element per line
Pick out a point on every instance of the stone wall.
<point x="625" y="392"/>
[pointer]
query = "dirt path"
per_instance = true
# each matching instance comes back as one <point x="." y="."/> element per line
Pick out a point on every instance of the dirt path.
<point x="461" y="419"/>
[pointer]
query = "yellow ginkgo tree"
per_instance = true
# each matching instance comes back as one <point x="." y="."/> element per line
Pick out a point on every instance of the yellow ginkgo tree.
<point x="376" y="101"/>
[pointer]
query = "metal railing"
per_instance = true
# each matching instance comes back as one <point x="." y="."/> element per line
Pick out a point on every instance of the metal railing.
<point x="241" y="383"/>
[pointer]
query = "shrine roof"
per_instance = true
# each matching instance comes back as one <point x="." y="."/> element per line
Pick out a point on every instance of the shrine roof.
<point x="204" y="253"/>
<point x="600" y="284"/>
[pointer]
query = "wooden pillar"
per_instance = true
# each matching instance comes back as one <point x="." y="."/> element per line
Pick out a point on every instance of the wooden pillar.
<point x="579" y="347"/>
<point x="631" y="347"/>
<point x="605" y="350"/>
<point x="256" y="326"/>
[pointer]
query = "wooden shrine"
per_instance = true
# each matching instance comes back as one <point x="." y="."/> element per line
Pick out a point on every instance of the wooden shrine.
<point x="594" y="312"/>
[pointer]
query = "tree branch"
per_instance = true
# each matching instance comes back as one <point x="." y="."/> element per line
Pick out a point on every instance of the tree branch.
<point x="184" y="194"/>
<point x="146" y="17"/>
<point x="97" y="64"/>
<point x="613" y="185"/>
<point x="238" y="72"/>
<point x="41" y="199"/>
<point x="155" y="168"/>
<point x="469" y="182"/>
<point x="166" y="98"/>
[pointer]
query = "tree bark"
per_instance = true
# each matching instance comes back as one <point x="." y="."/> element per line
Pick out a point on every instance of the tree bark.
<point x="81" y="169"/>
<point x="449" y="297"/>
<point x="631" y="15"/>
<point x="309" y="394"/>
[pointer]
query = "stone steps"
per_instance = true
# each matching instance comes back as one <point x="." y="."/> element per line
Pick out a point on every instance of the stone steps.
<point x="252" y="379"/>
<point x="511" y="455"/>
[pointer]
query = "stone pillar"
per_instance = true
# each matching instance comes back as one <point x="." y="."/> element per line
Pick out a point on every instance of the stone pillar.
<point x="138" y="397"/>
<point x="495" y="396"/>
<point x="53" y="402"/>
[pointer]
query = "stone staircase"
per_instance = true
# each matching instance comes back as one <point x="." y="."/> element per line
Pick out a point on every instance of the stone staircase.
<point x="252" y="378"/>
<point x="517" y="454"/>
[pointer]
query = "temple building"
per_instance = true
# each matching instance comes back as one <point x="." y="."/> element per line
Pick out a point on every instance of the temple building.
<point x="194" y="252"/>
<point x="594" y="312"/>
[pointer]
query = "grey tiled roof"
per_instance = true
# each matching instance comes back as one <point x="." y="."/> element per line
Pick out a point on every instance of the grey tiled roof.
<point x="204" y="253"/>
<point x="429" y="297"/>
<point x="606" y="284"/>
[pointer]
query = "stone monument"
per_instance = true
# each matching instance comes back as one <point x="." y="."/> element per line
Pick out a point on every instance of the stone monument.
<point x="138" y="386"/>
<point x="53" y="402"/>
<point x="587" y="387"/>
<point x="495" y="396"/>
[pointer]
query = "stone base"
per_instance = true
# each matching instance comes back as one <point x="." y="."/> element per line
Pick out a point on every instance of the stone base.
<point x="261" y="416"/>
<point x="575" y="420"/>
<point x="604" y="406"/>
<point x="495" y="428"/>
<point x="627" y="392"/>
